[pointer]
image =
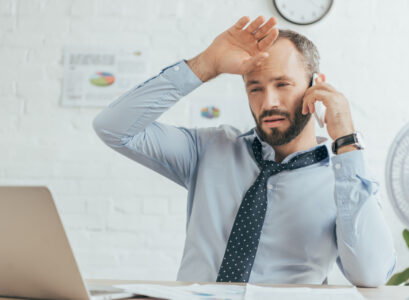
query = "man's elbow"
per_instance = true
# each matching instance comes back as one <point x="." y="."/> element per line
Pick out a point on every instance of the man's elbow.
<point x="99" y="127"/>
<point x="374" y="277"/>
<point x="105" y="133"/>
<point x="370" y="281"/>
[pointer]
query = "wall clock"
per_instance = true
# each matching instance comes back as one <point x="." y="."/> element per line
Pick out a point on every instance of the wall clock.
<point x="303" y="12"/>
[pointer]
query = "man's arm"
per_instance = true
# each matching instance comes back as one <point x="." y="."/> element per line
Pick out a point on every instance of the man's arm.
<point x="365" y="246"/>
<point x="366" y="253"/>
<point x="129" y="124"/>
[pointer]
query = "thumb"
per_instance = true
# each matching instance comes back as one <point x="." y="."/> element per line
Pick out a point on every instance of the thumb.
<point x="254" y="61"/>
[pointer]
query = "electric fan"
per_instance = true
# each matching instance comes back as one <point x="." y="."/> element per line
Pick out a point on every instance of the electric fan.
<point x="397" y="175"/>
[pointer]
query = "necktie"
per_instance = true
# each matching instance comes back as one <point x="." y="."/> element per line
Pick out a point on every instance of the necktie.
<point x="245" y="235"/>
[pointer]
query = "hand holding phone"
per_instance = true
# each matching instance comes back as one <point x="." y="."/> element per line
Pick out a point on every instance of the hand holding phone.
<point x="319" y="112"/>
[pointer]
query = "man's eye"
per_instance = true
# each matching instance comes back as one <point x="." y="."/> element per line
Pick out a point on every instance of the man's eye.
<point x="282" y="84"/>
<point x="255" y="90"/>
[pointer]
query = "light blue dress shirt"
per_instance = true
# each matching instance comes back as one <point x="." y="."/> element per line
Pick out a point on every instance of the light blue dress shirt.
<point x="326" y="212"/>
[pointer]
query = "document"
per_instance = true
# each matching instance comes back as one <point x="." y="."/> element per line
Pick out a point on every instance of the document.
<point x="182" y="292"/>
<point x="239" y="292"/>
<point x="301" y="293"/>
<point x="97" y="75"/>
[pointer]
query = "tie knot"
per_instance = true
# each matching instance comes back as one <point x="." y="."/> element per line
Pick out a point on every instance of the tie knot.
<point x="298" y="161"/>
<point x="270" y="167"/>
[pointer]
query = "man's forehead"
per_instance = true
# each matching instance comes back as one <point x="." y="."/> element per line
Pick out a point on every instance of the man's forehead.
<point x="283" y="63"/>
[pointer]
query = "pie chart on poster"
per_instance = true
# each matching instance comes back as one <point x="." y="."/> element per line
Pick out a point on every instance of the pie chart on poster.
<point x="102" y="79"/>
<point x="210" y="112"/>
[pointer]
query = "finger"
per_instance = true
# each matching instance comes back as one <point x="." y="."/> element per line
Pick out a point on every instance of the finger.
<point x="307" y="100"/>
<point x="267" y="41"/>
<point x="255" y="24"/>
<point x="318" y="87"/>
<point x="254" y="62"/>
<point x="320" y="95"/>
<point x="241" y="22"/>
<point x="321" y="78"/>
<point x="329" y="87"/>
<point x="311" y="108"/>
<point x="265" y="29"/>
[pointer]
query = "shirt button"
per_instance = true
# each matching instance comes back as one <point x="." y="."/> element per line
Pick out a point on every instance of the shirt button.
<point x="337" y="166"/>
<point x="269" y="186"/>
<point x="176" y="68"/>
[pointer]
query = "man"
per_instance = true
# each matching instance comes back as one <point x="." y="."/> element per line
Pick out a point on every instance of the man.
<point x="269" y="205"/>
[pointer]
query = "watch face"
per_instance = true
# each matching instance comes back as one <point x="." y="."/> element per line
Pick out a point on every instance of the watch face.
<point x="303" y="12"/>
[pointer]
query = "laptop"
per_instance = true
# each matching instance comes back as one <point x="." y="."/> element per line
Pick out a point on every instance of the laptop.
<point x="36" y="259"/>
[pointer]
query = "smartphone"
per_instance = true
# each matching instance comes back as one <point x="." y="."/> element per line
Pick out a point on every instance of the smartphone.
<point x="319" y="112"/>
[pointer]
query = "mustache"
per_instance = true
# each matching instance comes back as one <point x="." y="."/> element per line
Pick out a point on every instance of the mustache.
<point x="273" y="112"/>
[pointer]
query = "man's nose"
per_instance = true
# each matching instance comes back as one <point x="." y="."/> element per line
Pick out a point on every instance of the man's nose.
<point x="271" y="100"/>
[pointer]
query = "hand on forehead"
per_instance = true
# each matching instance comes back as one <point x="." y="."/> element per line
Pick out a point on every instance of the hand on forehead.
<point x="284" y="60"/>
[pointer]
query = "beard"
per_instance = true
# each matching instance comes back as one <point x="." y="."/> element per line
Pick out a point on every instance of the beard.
<point x="274" y="136"/>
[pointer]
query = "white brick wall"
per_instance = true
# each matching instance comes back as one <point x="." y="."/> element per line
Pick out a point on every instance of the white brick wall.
<point x="124" y="220"/>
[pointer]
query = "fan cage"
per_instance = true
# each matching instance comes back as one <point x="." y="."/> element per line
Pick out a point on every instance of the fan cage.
<point x="395" y="174"/>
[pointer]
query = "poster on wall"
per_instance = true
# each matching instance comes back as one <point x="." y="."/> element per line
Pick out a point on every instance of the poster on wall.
<point x="94" y="76"/>
<point x="212" y="112"/>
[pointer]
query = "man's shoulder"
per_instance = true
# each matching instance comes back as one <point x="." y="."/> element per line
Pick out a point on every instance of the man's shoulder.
<point x="222" y="140"/>
<point x="224" y="132"/>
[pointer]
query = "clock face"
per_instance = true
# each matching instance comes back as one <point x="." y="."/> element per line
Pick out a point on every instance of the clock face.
<point x="303" y="12"/>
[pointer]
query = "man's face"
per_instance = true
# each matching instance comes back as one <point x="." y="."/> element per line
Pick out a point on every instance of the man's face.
<point x="275" y="91"/>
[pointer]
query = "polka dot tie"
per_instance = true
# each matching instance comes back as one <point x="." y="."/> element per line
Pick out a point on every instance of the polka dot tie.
<point x="245" y="235"/>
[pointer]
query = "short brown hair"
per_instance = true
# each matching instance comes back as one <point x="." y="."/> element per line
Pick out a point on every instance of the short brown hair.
<point x="307" y="49"/>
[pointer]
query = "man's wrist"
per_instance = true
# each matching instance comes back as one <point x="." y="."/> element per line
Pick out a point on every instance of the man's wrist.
<point x="347" y="143"/>
<point x="202" y="66"/>
<point x="346" y="148"/>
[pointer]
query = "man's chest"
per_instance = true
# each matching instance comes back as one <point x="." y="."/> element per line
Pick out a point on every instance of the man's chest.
<point x="298" y="201"/>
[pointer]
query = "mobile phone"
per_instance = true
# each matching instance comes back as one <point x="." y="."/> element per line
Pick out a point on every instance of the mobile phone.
<point x="319" y="112"/>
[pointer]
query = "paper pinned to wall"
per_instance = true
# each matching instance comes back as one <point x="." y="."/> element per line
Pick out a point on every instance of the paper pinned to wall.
<point x="96" y="75"/>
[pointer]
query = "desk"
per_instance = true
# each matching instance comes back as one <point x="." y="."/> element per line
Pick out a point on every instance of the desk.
<point x="380" y="293"/>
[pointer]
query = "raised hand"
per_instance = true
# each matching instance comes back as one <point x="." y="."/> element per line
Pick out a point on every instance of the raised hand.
<point x="236" y="50"/>
<point x="337" y="114"/>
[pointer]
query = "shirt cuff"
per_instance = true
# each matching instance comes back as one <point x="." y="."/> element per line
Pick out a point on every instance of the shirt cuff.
<point x="182" y="77"/>
<point x="348" y="164"/>
<point x="349" y="169"/>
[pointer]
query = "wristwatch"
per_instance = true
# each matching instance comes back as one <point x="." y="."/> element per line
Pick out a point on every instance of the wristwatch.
<point x="355" y="139"/>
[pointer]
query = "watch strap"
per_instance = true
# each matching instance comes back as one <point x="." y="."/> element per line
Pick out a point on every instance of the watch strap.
<point x="350" y="139"/>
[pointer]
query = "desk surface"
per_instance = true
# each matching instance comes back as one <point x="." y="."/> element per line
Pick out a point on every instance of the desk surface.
<point x="380" y="293"/>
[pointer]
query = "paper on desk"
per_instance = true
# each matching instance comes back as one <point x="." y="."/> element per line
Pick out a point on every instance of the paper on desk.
<point x="237" y="292"/>
<point x="254" y="292"/>
<point x="191" y="292"/>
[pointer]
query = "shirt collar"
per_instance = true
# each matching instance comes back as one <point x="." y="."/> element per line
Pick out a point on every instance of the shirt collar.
<point x="269" y="153"/>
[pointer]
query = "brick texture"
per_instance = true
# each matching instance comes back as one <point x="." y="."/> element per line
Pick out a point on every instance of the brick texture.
<point x="124" y="220"/>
